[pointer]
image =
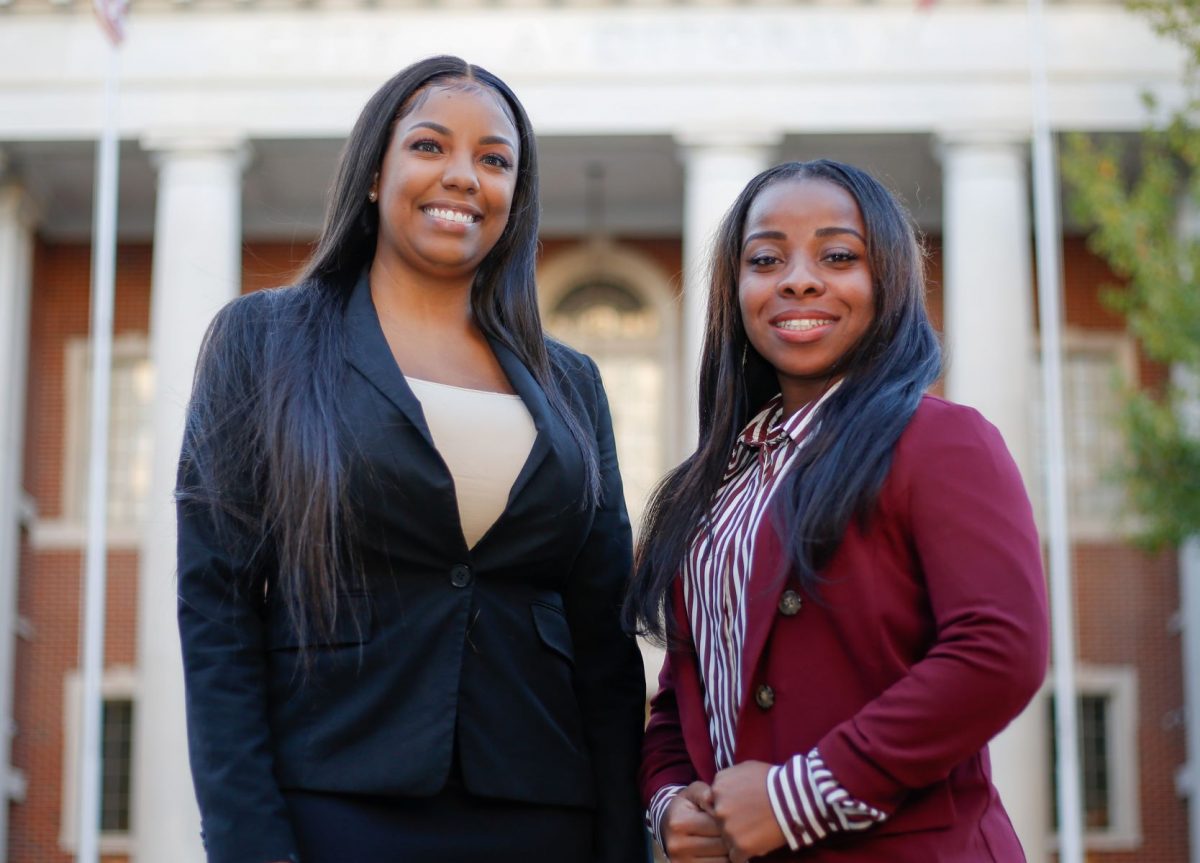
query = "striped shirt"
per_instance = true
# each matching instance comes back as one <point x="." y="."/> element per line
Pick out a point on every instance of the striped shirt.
<point x="807" y="800"/>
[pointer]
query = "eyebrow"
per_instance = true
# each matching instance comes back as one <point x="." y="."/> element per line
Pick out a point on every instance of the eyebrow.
<point x="833" y="232"/>
<point x="442" y="130"/>
<point x="763" y="235"/>
<point x="819" y="232"/>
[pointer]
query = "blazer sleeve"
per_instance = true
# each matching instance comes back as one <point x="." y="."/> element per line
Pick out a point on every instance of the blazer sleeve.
<point x="972" y="532"/>
<point x="609" y="678"/>
<point x="221" y="628"/>
<point x="665" y="759"/>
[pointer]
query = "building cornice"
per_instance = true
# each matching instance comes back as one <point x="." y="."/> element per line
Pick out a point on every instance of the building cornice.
<point x="277" y="72"/>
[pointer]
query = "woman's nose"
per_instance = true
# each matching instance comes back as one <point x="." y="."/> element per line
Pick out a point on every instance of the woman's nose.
<point x="801" y="278"/>
<point x="460" y="174"/>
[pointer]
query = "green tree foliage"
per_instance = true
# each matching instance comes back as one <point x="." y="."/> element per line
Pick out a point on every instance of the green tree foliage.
<point x="1134" y="200"/>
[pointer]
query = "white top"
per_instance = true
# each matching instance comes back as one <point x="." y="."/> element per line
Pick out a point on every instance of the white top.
<point x="485" y="439"/>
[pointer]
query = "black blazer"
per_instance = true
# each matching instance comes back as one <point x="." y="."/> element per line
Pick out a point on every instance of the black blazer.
<point x="512" y="649"/>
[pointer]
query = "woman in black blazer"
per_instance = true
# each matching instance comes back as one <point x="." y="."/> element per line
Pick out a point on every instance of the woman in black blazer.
<point x="364" y="683"/>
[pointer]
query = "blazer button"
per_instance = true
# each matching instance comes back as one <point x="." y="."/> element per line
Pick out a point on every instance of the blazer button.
<point x="789" y="603"/>
<point x="764" y="697"/>
<point x="460" y="575"/>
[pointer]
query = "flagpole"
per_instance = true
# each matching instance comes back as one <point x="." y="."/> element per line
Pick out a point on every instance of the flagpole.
<point x="1047" y="238"/>
<point x="95" y="572"/>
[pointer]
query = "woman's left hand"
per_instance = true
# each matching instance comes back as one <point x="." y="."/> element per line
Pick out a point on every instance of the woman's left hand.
<point x="742" y="808"/>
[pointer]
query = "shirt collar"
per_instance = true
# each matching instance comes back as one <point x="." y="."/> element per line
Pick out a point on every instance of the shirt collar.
<point x="765" y="429"/>
<point x="769" y="428"/>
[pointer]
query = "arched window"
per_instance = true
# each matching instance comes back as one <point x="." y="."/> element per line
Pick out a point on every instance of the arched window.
<point x="614" y="306"/>
<point x="603" y="309"/>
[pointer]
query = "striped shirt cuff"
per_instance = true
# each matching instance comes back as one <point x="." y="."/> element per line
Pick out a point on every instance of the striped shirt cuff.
<point x="809" y="804"/>
<point x="658" y="808"/>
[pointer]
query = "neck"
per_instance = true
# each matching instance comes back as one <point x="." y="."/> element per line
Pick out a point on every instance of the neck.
<point x="798" y="394"/>
<point x="420" y="301"/>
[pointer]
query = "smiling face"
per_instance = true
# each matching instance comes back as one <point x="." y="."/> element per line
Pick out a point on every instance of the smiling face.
<point x="804" y="284"/>
<point x="446" y="183"/>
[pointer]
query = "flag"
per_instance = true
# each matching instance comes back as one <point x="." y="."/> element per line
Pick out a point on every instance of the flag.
<point x="111" y="14"/>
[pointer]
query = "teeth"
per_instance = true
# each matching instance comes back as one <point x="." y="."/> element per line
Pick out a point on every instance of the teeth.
<point x="450" y="215"/>
<point x="802" y="324"/>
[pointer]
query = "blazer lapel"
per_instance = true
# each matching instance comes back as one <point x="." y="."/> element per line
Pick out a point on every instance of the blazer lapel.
<point x="769" y="569"/>
<point x="767" y="578"/>
<point x="544" y="419"/>
<point x="368" y="351"/>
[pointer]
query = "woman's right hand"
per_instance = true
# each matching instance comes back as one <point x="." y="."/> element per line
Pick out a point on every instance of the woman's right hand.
<point x="690" y="833"/>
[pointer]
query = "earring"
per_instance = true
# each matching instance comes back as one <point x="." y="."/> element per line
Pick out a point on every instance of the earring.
<point x="372" y="196"/>
<point x="745" y="353"/>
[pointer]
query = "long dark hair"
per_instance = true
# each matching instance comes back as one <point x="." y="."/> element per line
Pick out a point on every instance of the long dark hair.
<point x="838" y="473"/>
<point x="265" y="437"/>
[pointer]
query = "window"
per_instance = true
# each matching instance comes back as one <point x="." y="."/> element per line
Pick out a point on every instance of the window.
<point x="1106" y="716"/>
<point x="130" y="445"/>
<point x="1095" y="367"/>
<point x="116" y="761"/>
<point x="610" y="322"/>
<point x="607" y="301"/>
<point x="116" y="750"/>
<point x="603" y="309"/>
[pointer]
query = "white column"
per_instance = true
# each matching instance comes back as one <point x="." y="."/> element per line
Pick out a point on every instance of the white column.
<point x="989" y="324"/>
<point x="1188" y="777"/>
<point x="717" y="167"/>
<point x="987" y="271"/>
<point x="16" y="253"/>
<point x="196" y="270"/>
<point x="1185" y="378"/>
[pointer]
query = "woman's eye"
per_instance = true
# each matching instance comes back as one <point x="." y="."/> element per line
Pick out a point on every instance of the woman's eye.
<point x="426" y="145"/>
<point x="497" y="161"/>
<point x="762" y="260"/>
<point x="841" y="257"/>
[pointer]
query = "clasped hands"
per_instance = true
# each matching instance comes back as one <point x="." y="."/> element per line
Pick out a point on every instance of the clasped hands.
<point x="730" y="821"/>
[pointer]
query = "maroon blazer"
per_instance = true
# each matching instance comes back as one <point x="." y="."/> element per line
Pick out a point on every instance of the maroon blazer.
<point x="928" y="635"/>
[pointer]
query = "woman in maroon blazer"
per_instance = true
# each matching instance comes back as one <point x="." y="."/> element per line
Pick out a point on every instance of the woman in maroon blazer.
<point x="846" y="572"/>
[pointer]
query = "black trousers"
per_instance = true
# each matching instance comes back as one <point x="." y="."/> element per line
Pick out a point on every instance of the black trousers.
<point x="453" y="826"/>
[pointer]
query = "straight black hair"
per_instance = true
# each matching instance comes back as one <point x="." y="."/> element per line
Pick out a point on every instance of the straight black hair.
<point x="838" y="473"/>
<point x="264" y="444"/>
